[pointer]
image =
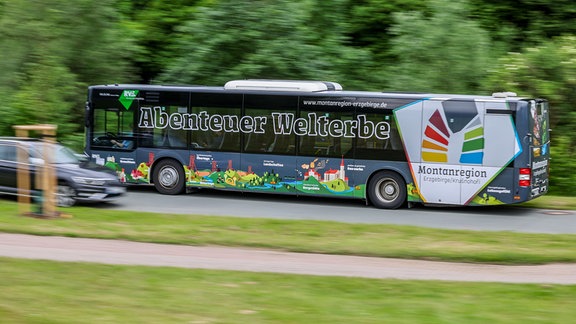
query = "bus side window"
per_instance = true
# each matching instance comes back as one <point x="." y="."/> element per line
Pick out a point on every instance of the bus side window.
<point x="341" y="147"/>
<point x="113" y="128"/>
<point x="373" y="148"/>
<point x="327" y="142"/>
<point x="207" y="140"/>
<point x="222" y="137"/>
<point x="306" y="146"/>
<point x="282" y="144"/>
<point x="268" y="139"/>
<point x="229" y="142"/>
<point x="262" y="142"/>
<point x="172" y="138"/>
<point x="145" y="137"/>
<point x="256" y="143"/>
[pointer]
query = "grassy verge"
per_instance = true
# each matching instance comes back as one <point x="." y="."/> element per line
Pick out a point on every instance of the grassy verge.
<point x="301" y="236"/>
<point x="552" y="202"/>
<point x="43" y="291"/>
<point x="52" y="292"/>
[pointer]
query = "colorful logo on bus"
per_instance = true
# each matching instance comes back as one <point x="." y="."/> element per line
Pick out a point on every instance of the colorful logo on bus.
<point x="127" y="97"/>
<point x="441" y="142"/>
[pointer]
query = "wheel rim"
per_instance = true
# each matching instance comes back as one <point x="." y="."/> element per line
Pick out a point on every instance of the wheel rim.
<point x="168" y="177"/>
<point x="388" y="190"/>
<point x="65" y="196"/>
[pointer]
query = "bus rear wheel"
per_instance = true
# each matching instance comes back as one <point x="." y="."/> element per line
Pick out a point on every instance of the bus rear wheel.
<point x="169" y="177"/>
<point x="387" y="190"/>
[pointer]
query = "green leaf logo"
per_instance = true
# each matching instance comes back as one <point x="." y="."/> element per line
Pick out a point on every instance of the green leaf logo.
<point x="127" y="97"/>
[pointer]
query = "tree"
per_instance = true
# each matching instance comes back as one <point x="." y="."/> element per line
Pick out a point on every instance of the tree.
<point x="52" y="49"/>
<point x="370" y="22"/>
<point x="522" y="22"/>
<point x="37" y="102"/>
<point x="267" y="39"/>
<point x="547" y="71"/>
<point x="562" y="175"/>
<point x="153" y="25"/>
<point x="447" y="52"/>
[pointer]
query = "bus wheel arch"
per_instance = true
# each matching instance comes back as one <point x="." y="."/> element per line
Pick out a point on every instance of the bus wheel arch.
<point x="168" y="176"/>
<point x="386" y="189"/>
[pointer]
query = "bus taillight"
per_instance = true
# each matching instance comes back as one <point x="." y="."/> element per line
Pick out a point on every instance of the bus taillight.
<point x="525" y="177"/>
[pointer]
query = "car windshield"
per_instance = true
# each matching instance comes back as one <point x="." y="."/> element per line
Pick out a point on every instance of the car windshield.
<point x="62" y="155"/>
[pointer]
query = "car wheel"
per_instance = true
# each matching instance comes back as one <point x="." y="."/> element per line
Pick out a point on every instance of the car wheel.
<point x="387" y="190"/>
<point x="169" y="177"/>
<point x="65" y="196"/>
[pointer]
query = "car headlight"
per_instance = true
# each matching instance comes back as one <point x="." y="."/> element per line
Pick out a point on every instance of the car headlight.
<point x="89" y="181"/>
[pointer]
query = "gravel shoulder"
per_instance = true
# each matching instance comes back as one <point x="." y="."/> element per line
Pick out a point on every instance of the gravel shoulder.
<point x="67" y="249"/>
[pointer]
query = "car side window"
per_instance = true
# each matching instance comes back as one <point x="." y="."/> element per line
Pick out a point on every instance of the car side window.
<point x="8" y="152"/>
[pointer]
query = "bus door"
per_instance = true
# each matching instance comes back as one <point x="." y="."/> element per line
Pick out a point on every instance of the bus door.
<point x="111" y="138"/>
<point x="112" y="121"/>
<point x="501" y="145"/>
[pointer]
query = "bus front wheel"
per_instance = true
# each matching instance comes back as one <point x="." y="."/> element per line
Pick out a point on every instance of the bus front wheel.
<point x="387" y="190"/>
<point x="169" y="177"/>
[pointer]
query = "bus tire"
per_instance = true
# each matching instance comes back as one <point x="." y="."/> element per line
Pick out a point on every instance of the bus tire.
<point x="169" y="178"/>
<point x="387" y="190"/>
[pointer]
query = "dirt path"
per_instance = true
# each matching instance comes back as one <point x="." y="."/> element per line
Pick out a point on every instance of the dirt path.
<point x="132" y="253"/>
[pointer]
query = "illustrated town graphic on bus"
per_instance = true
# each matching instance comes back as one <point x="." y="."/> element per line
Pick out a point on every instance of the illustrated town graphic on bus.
<point x="311" y="177"/>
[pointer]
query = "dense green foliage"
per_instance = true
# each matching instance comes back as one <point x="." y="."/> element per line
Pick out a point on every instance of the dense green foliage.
<point x="452" y="56"/>
<point x="52" y="49"/>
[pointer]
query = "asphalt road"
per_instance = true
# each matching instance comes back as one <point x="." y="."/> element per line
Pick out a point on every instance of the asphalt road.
<point x="221" y="203"/>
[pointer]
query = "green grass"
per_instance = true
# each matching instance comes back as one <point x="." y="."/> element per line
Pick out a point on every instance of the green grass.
<point x="552" y="202"/>
<point x="300" y="236"/>
<point x="52" y="292"/>
<point x="35" y="291"/>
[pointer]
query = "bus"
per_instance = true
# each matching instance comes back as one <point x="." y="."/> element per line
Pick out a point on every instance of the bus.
<point x="314" y="138"/>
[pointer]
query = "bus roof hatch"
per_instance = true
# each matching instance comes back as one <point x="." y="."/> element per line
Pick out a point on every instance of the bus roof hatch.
<point x="504" y="94"/>
<point x="283" y="85"/>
